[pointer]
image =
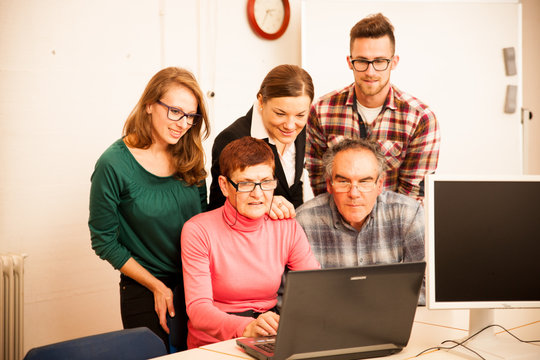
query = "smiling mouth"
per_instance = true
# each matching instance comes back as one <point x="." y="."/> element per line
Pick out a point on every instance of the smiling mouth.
<point x="287" y="133"/>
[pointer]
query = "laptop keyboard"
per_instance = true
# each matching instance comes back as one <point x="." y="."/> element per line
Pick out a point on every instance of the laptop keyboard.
<point x="268" y="347"/>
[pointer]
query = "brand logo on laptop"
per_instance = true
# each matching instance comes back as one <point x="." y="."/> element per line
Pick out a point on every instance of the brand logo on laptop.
<point x="363" y="277"/>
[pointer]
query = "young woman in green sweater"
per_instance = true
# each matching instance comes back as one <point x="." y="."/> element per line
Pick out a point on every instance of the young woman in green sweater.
<point x="145" y="186"/>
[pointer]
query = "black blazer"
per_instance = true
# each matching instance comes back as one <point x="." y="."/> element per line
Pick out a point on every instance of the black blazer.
<point x="241" y="128"/>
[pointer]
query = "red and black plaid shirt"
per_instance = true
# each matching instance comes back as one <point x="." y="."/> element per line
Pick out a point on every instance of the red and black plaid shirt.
<point x="406" y="129"/>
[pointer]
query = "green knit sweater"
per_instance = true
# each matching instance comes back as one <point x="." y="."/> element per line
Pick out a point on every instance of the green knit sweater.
<point x="134" y="213"/>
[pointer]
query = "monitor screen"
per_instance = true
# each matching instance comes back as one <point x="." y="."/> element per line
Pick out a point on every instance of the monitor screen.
<point x="483" y="241"/>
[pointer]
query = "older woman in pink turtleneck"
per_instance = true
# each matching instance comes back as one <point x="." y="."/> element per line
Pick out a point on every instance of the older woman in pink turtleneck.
<point x="233" y="257"/>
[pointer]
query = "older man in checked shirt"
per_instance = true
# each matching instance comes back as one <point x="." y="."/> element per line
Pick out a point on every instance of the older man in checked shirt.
<point x="404" y="127"/>
<point x="357" y="223"/>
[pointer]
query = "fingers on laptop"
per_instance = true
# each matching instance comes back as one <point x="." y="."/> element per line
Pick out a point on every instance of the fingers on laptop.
<point x="267" y="323"/>
<point x="264" y="325"/>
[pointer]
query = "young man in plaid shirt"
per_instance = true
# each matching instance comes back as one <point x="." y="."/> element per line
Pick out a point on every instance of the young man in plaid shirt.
<point x="405" y="128"/>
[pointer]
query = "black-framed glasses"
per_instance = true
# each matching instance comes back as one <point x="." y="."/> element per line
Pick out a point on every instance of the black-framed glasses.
<point x="344" y="186"/>
<point x="176" y="114"/>
<point x="249" y="186"/>
<point x="362" y="65"/>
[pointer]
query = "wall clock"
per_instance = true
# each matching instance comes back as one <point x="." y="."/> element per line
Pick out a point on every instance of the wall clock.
<point x="269" y="18"/>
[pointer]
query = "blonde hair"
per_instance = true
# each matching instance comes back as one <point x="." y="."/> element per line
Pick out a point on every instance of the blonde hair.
<point x="187" y="154"/>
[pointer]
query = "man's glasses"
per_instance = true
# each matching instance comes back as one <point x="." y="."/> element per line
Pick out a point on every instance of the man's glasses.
<point x="362" y="65"/>
<point x="175" y="114"/>
<point x="249" y="186"/>
<point x="344" y="186"/>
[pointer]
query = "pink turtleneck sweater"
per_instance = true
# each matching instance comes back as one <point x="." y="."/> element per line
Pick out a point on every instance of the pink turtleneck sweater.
<point x="234" y="268"/>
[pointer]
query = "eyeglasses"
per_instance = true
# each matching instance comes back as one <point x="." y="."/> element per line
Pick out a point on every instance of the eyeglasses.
<point x="344" y="186"/>
<point x="249" y="186"/>
<point x="362" y="65"/>
<point x="175" y="114"/>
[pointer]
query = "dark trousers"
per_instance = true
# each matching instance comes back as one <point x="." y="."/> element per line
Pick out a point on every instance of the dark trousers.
<point x="137" y="309"/>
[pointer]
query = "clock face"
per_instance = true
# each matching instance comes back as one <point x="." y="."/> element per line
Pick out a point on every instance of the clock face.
<point x="269" y="18"/>
<point x="269" y="15"/>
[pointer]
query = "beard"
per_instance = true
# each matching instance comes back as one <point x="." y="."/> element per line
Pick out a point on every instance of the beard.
<point x="372" y="89"/>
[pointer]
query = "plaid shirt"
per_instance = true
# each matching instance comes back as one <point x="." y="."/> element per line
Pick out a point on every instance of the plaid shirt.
<point x="392" y="233"/>
<point x="406" y="129"/>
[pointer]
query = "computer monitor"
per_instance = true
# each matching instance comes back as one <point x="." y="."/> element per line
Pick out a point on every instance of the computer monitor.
<point x="483" y="252"/>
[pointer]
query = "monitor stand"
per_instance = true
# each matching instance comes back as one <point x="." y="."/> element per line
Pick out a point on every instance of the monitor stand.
<point x="493" y="346"/>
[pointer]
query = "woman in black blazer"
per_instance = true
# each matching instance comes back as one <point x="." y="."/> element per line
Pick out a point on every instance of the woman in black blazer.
<point x="279" y="117"/>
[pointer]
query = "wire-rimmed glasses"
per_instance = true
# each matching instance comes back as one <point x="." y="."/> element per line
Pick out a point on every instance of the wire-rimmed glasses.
<point x="344" y="186"/>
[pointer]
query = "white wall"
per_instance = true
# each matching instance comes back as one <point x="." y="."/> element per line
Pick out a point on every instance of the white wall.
<point x="70" y="74"/>
<point x="71" y="71"/>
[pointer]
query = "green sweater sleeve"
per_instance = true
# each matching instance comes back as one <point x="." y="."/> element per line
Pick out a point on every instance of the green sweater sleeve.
<point x="104" y="219"/>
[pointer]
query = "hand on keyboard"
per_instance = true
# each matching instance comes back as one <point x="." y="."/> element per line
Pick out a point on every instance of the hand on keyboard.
<point x="265" y="325"/>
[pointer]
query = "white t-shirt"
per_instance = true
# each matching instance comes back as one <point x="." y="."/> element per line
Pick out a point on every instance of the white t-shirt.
<point x="368" y="114"/>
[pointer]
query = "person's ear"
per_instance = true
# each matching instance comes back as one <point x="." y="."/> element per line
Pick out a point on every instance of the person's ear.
<point x="380" y="183"/>
<point x="395" y="61"/>
<point x="149" y="109"/>
<point x="259" y="101"/>
<point x="329" y="185"/>
<point x="349" y="62"/>
<point x="223" y="185"/>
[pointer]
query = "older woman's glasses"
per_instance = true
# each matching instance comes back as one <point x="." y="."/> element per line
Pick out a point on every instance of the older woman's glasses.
<point x="344" y="186"/>
<point x="176" y="114"/>
<point x="362" y="65"/>
<point x="249" y="186"/>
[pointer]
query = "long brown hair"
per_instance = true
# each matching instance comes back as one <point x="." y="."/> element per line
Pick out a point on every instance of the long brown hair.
<point x="187" y="154"/>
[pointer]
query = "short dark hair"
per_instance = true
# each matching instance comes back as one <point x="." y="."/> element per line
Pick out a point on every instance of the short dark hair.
<point x="286" y="81"/>
<point x="244" y="152"/>
<point x="373" y="26"/>
<point x="353" y="144"/>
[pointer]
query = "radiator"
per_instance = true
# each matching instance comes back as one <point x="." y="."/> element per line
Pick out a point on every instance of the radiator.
<point x="11" y="306"/>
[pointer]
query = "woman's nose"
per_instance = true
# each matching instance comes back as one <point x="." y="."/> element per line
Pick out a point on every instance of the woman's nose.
<point x="257" y="191"/>
<point x="289" y="123"/>
<point x="182" y="124"/>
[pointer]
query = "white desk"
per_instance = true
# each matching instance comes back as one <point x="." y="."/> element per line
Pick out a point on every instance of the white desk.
<point x="430" y="328"/>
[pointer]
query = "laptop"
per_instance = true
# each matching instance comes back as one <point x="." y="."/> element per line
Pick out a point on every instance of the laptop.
<point x="344" y="313"/>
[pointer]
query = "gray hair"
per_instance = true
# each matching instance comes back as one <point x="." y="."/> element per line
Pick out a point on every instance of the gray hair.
<point x="354" y="144"/>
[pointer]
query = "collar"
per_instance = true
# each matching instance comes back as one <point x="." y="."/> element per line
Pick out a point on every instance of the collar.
<point x="390" y="101"/>
<point x="258" y="130"/>
<point x="239" y="222"/>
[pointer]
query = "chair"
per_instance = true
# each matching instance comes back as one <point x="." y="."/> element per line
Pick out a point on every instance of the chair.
<point x="129" y="344"/>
